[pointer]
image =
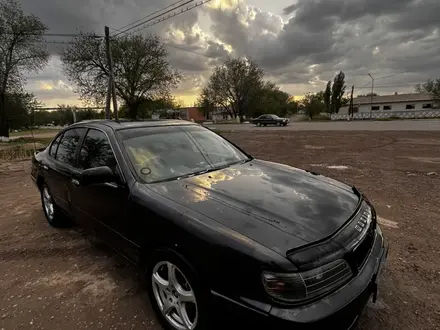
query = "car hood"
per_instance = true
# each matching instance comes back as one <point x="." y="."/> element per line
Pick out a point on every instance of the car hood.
<point x="276" y="205"/>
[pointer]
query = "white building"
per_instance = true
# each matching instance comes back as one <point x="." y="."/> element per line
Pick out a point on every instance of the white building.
<point x="397" y="105"/>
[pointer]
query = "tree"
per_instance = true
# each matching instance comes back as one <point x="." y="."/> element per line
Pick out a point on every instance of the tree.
<point x="233" y="85"/>
<point x="141" y="69"/>
<point x="313" y="104"/>
<point x="368" y="94"/>
<point x="19" y="109"/>
<point x="205" y="105"/>
<point x="327" y="97"/>
<point x="338" y="91"/>
<point x="270" y="99"/>
<point x="21" y="51"/>
<point x="432" y="87"/>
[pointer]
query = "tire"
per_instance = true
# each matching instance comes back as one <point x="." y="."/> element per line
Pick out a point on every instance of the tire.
<point x="165" y="296"/>
<point x="258" y="124"/>
<point x="53" y="214"/>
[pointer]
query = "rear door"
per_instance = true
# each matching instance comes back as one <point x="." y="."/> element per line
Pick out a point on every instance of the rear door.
<point x="264" y="120"/>
<point x="61" y="166"/>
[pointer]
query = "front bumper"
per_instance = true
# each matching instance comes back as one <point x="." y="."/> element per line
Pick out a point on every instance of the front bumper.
<point x="339" y="310"/>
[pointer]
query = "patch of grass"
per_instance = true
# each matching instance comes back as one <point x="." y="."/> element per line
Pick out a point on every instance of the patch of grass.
<point x="35" y="131"/>
<point x="21" y="148"/>
<point x="23" y="140"/>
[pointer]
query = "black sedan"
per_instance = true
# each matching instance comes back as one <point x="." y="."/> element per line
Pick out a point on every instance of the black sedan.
<point x="212" y="226"/>
<point x="265" y="120"/>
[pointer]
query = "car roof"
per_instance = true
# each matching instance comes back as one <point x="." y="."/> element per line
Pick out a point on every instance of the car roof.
<point x="124" y="124"/>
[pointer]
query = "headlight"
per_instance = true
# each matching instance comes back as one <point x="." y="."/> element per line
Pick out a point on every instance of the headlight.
<point x="301" y="287"/>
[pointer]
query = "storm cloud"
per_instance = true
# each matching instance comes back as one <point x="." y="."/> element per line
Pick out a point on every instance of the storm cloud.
<point x="301" y="44"/>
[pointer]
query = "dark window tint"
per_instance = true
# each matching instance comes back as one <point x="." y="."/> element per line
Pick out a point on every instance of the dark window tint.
<point x="96" y="151"/>
<point x="54" y="146"/>
<point x="68" y="144"/>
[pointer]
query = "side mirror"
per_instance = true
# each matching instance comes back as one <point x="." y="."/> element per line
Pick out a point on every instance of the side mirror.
<point x="101" y="174"/>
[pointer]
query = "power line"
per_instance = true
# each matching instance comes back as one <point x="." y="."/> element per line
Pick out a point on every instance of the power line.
<point x="56" y="42"/>
<point x="166" y="17"/>
<point x="55" y="34"/>
<point x="389" y="86"/>
<point x="149" y="15"/>
<point x="152" y="18"/>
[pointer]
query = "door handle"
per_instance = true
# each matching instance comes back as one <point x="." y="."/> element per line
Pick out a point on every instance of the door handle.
<point x="75" y="182"/>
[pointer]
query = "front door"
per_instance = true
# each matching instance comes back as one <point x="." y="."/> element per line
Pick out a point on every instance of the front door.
<point x="102" y="207"/>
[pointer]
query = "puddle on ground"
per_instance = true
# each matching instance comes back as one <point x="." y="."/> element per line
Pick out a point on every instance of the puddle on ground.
<point x="308" y="146"/>
<point x="431" y="160"/>
<point x="333" y="167"/>
<point x="387" y="223"/>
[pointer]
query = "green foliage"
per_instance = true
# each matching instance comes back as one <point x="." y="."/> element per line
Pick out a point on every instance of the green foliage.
<point x="19" y="109"/>
<point x="327" y="97"/>
<point x="147" y="107"/>
<point x="64" y="115"/>
<point x="338" y="91"/>
<point x="238" y="88"/>
<point x="141" y="69"/>
<point x="234" y="85"/>
<point x="313" y="104"/>
<point x="270" y="99"/>
<point x="432" y="87"/>
<point x="21" y="51"/>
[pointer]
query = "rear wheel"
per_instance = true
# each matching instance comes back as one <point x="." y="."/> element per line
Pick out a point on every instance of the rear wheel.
<point x="176" y="294"/>
<point x="51" y="211"/>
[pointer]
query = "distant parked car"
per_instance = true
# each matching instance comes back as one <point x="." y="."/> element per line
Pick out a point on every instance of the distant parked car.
<point x="265" y="120"/>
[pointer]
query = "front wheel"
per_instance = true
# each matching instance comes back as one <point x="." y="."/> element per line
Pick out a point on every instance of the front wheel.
<point x="51" y="211"/>
<point x="177" y="296"/>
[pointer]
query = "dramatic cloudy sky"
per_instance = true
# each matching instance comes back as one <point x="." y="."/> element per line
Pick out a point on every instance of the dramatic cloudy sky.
<point x="300" y="44"/>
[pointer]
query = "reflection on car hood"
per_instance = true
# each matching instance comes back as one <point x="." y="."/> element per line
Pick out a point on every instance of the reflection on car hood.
<point x="276" y="205"/>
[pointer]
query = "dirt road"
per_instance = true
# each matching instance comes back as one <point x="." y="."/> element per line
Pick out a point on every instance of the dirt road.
<point x="65" y="279"/>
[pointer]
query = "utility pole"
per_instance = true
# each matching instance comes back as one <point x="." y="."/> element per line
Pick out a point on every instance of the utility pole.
<point x="372" y="91"/>
<point x="350" y="110"/>
<point x="111" y="85"/>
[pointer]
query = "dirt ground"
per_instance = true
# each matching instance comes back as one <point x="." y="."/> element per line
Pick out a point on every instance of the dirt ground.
<point x="65" y="279"/>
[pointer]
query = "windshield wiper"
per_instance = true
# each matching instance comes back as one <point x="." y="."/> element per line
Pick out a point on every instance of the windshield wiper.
<point x="212" y="169"/>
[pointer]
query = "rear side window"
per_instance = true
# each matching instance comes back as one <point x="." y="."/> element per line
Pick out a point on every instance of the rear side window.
<point x="54" y="146"/>
<point x="96" y="151"/>
<point x="67" y="147"/>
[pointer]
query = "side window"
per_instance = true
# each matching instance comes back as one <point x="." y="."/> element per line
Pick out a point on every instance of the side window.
<point x="68" y="144"/>
<point x="54" y="146"/>
<point x="96" y="151"/>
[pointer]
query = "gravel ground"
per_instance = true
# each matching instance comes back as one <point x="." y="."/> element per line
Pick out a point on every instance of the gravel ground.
<point x="65" y="279"/>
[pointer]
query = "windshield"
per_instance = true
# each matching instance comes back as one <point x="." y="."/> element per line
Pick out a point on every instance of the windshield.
<point x="172" y="152"/>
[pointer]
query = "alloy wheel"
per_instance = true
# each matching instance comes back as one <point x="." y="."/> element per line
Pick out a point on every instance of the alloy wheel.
<point x="48" y="204"/>
<point x="174" y="296"/>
